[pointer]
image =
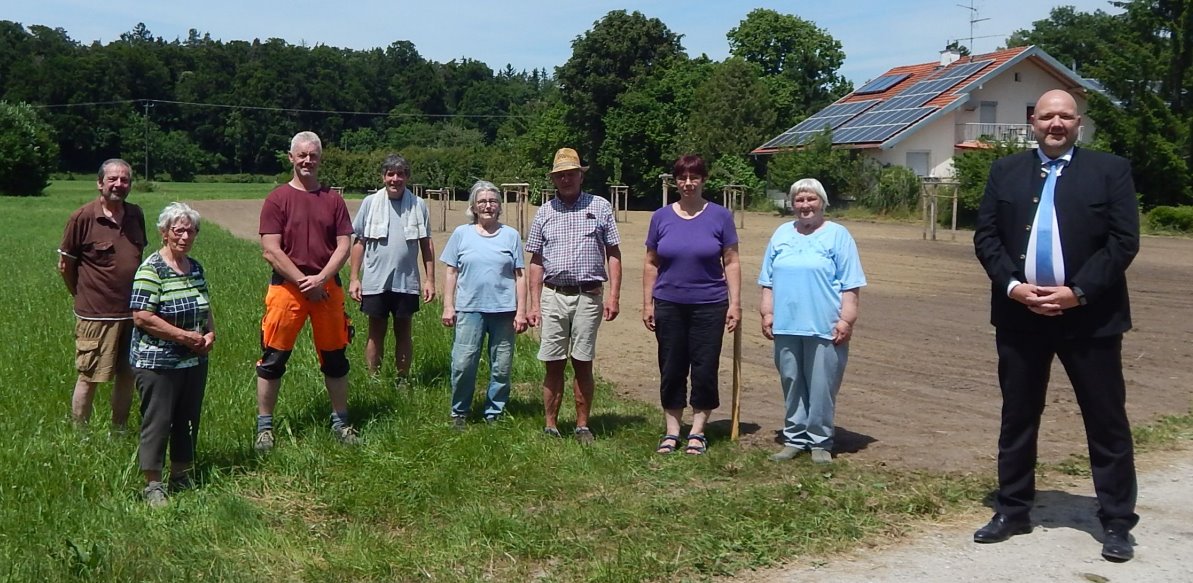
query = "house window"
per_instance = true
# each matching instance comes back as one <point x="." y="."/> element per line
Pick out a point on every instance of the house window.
<point x="1018" y="77"/>
<point x="1031" y="110"/>
<point x="987" y="112"/>
<point x="919" y="162"/>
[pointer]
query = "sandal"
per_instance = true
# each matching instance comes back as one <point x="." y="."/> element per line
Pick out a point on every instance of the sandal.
<point x="666" y="448"/>
<point x="696" y="449"/>
<point x="552" y="432"/>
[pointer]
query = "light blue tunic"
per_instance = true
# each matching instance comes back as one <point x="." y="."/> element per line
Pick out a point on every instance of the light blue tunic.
<point x="807" y="274"/>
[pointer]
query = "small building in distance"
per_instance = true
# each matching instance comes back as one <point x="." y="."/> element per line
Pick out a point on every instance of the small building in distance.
<point x="921" y="116"/>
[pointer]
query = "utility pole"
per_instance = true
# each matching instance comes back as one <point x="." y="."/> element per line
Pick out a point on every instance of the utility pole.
<point x="145" y="122"/>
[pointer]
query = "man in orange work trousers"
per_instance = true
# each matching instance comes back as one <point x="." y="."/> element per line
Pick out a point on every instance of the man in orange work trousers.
<point x="305" y="236"/>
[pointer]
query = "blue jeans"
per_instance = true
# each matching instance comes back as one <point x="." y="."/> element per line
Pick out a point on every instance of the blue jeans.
<point x="810" y="373"/>
<point x="471" y="328"/>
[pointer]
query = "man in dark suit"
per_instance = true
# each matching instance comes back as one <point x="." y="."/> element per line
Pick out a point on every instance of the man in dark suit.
<point x="1056" y="230"/>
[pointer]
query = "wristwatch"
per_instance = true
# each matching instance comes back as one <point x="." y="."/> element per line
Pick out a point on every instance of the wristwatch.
<point x="1081" y="301"/>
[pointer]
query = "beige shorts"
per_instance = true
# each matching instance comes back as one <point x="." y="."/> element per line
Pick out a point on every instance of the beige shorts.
<point x="101" y="348"/>
<point x="570" y="325"/>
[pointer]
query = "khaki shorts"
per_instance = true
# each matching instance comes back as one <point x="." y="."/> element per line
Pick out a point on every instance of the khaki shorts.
<point x="101" y="348"/>
<point x="570" y="323"/>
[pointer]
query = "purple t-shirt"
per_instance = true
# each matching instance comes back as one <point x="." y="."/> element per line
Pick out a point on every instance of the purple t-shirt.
<point x="689" y="251"/>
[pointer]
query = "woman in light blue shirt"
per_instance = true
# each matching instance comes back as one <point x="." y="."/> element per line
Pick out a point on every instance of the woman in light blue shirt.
<point x="811" y="278"/>
<point x="484" y="295"/>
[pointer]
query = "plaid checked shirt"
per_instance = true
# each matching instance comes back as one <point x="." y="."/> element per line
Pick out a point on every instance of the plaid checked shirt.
<point x="572" y="239"/>
<point x="178" y="298"/>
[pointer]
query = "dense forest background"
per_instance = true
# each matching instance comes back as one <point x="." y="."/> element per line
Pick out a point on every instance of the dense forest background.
<point x="629" y="98"/>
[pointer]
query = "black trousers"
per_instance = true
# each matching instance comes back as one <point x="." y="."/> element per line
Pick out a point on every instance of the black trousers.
<point x="171" y="403"/>
<point x="689" y="337"/>
<point x="1094" y="366"/>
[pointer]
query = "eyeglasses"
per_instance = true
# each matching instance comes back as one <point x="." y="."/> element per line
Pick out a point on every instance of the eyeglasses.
<point x="180" y="231"/>
<point x="489" y="201"/>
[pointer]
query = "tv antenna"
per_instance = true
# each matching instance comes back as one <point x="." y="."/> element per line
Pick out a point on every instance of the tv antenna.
<point x="973" y="19"/>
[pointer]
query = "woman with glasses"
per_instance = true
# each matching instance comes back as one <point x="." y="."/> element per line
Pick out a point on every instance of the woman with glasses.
<point x="484" y="295"/>
<point x="173" y="335"/>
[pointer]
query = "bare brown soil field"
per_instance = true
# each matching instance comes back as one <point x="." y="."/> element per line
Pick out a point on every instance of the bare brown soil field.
<point x="921" y="390"/>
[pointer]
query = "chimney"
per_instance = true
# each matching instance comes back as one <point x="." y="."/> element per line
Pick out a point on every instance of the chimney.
<point x="948" y="57"/>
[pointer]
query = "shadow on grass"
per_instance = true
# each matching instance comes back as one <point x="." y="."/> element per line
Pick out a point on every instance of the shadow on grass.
<point x="608" y="424"/>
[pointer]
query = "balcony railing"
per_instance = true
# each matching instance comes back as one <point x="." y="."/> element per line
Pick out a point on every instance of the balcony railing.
<point x="1020" y="133"/>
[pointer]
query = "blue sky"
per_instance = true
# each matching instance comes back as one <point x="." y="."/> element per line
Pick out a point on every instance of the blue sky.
<point x="875" y="34"/>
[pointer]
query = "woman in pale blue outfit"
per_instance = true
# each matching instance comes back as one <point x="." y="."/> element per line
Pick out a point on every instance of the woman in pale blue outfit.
<point x="811" y="278"/>
<point x="484" y="295"/>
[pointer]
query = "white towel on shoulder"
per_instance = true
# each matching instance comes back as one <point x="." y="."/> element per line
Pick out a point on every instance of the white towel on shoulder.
<point x="377" y="207"/>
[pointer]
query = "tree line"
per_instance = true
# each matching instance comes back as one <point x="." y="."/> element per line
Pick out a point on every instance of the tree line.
<point x="629" y="98"/>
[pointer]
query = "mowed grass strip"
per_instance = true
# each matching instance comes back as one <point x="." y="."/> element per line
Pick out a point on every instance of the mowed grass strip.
<point x="415" y="501"/>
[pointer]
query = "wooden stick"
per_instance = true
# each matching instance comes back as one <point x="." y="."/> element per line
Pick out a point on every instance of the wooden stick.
<point x="733" y="433"/>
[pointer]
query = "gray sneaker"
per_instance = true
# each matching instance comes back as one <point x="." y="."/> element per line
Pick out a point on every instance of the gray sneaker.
<point x="459" y="423"/>
<point x="155" y="495"/>
<point x="345" y="434"/>
<point x="821" y="456"/>
<point x="584" y="436"/>
<point x="181" y="483"/>
<point x="264" y="441"/>
<point x="789" y="452"/>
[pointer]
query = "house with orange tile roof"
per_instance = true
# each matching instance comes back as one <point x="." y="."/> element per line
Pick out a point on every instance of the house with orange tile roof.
<point x="921" y="116"/>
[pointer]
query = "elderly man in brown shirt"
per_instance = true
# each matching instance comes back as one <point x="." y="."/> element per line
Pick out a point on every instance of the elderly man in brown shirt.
<point x="100" y="252"/>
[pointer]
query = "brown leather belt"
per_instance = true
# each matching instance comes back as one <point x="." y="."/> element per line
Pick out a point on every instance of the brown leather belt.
<point x="571" y="290"/>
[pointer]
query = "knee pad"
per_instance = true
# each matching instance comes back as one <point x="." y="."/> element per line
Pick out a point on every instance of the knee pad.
<point x="272" y="364"/>
<point x="334" y="363"/>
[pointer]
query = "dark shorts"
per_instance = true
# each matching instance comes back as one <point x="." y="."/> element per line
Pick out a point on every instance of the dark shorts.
<point x="389" y="303"/>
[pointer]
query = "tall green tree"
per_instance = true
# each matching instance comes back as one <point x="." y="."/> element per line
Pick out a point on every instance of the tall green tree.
<point x="798" y="59"/>
<point x="732" y="112"/>
<point x="621" y="48"/>
<point x="27" y="150"/>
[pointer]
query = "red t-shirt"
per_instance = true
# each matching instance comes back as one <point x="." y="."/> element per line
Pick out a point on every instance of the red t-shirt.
<point x="308" y="222"/>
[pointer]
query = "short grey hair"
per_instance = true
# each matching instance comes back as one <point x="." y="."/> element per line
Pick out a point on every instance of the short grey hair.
<point x="809" y="185"/>
<point x="475" y="191"/>
<point x="103" y="168"/>
<point x="395" y="163"/>
<point x="305" y="138"/>
<point x="174" y="212"/>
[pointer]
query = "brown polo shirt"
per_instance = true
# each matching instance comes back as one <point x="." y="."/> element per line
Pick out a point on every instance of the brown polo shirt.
<point x="108" y="255"/>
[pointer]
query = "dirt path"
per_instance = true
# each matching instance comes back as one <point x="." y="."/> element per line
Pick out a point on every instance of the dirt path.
<point x="1062" y="547"/>
<point x="921" y="390"/>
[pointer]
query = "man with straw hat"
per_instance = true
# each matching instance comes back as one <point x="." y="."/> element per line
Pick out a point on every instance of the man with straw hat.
<point x="570" y="240"/>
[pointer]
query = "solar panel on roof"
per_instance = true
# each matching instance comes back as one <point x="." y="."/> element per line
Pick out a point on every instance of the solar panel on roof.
<point x="877" y="126"/>
<point x="831" y="117"/>
<point x="904" y="109"/>
<point x="881" y="84"/>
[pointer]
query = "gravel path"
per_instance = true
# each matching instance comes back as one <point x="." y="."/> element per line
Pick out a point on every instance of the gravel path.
<point x="1063" y="547"/>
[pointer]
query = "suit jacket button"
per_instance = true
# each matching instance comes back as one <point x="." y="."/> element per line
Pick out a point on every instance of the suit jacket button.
<point x="1023" y="256"/>
<point x="1035" y="199"/>
<point x="1027" y="228"/>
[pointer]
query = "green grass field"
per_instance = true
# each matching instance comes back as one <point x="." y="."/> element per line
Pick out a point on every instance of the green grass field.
<point x="415" y="501"/>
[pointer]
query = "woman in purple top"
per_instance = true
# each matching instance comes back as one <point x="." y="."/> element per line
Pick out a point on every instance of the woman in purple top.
<point x="691" y="283"/>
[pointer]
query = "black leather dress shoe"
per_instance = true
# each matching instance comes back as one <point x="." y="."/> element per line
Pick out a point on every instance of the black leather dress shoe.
<point x="1000" y="528"/>
<point x="1116" y="545"/>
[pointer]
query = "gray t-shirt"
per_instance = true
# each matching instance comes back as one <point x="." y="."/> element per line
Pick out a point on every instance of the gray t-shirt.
<point x="391" y="263"/>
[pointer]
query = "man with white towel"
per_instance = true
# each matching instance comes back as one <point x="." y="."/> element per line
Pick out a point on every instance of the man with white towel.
<point x="392" y="228"/>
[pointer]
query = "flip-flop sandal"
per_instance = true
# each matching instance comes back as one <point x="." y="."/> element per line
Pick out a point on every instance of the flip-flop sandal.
<point x="696" y="449"/>
<point x="666" y="448"/>
<point x="552" y="432"/>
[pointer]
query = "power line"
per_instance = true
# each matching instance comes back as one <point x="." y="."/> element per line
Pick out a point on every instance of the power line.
<point x="283" y="109"/>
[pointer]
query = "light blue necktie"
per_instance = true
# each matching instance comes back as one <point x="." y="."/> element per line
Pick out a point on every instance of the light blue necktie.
<point x="1044" y="272"/>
